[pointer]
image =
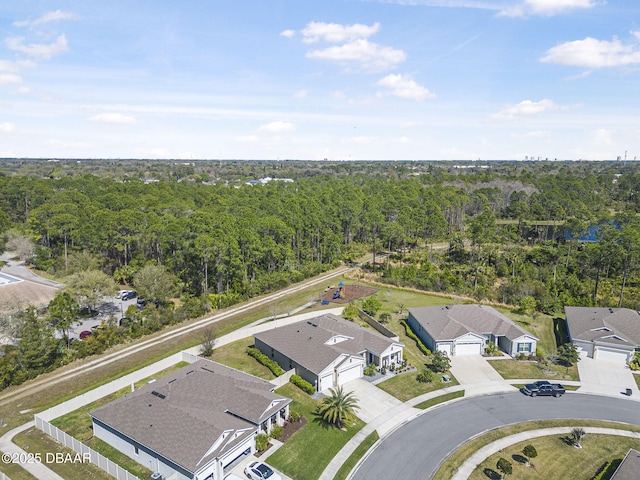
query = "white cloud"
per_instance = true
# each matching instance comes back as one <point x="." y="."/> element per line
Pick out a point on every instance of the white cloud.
<point x="337" y="33"/>
<point x="369" y="55"/>
<point x="604" y="137"/>
<point x="6" y="66"/>
<point x="300" y="94"/>
<point x="46" y="18"/>
<point x="546" y="7"/>
<point x="533" y="134"/>
<point x="526" y="108"/>
<point x="6" y="127"/>
<point x="38" y="50"/>
<point x="288" y="33"/>
<point x="278" y="127"/>
<point x="404" y="86"/>
<point x="9" y="78"/>
<point x="593" y="53"/>
<point x="117" y="118"/>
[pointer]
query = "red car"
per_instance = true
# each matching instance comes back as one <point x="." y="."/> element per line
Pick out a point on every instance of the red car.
<point x="84" y="334"/>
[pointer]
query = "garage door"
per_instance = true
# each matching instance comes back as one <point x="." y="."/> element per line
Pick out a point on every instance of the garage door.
<point x="611" y="355"/>
<point x="349" y="374"/>
<point x="445" y="347"/>
<point x="468" y="349"/>
<point x="326" y="381"/>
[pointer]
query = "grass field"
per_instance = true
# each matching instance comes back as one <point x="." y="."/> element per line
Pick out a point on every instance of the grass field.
<point x="235" y="355"/>
<point x="307" y="453"/>
<point x="558" y="459"/>
<point x="355" y="457"/>
<point x="457" y="458"/>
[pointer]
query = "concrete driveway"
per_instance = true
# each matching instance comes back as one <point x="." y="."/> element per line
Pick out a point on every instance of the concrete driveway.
<point x="605" y="378"/>
<point x="477" y="375"/>
<point x="372" y="401"/>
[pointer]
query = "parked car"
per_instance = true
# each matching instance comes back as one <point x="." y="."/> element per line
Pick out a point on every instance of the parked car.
<point x="260" y="471"/>
<point x="129" y="295"/>
<point x="543" y="388"/>
<point x="84" y="334"/>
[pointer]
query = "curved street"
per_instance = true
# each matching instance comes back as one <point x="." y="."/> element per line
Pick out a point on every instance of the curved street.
<point x="417" y="449"/>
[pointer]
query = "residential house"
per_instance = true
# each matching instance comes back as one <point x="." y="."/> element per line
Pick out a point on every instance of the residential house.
<point x="606" y="334"/>
<point x="192" y="423"/>
<point x="328" y="350"/>
<point x="466" y="330"/>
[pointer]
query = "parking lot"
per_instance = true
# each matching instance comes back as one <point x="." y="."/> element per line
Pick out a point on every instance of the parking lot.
<point x="111" y="307"/>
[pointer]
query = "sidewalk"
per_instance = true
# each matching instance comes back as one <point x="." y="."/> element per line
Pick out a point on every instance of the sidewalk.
<point x="393" y="419"/>
<point x="467" y="468"/>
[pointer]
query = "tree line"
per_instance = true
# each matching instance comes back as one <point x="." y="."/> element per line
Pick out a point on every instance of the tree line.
<point x="504" y="232"/>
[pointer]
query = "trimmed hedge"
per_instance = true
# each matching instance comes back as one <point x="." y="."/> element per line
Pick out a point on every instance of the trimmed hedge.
<point x="302" y="384"/>
<point x="266" y="361"/>
<point x="409" y="331"/>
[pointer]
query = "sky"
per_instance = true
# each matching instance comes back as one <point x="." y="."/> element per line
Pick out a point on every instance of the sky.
<point x="314" y="80"/>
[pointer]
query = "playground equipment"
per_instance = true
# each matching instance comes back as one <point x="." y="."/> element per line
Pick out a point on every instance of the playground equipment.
<point x="340" y="292"/>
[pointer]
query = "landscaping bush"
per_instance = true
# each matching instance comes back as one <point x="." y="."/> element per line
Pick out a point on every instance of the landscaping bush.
<point x="262" y="440"/>
<point x="294" y="416"/>
<point x="276" y="431"/>
<point x="302" y="384"/>
<point x="421" y="346"/>
<point x="266" y="361"/>
<point x="425" y="376"/>
<point x="370" y="370"/>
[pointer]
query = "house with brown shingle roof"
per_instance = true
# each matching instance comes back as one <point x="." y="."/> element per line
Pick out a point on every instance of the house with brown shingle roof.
<point x="192" y="423"/>
<point x="328" y="350"/>
<point x="607" y="334"/>
<point x="466" y="330"/>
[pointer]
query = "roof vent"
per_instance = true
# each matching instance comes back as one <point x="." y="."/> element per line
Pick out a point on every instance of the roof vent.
<point x="159" y="395"/>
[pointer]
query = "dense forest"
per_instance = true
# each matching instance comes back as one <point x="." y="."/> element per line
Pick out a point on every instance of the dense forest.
<point x="210" y="234"/>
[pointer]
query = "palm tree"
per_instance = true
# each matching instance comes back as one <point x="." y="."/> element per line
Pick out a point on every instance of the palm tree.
<point x="339" y="407"/>
<point x="577" y="434"/>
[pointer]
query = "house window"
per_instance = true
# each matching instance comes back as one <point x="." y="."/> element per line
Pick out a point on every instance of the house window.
<point x="524" y="348"/>
<point x="135" y="449"/>
<point x="271" y="352"/>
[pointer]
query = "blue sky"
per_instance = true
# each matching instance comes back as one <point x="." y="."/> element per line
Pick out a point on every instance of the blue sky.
<point x="342" y="80"/>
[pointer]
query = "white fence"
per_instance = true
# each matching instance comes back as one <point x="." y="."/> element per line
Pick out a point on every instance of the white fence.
<point x="77" y="446"/>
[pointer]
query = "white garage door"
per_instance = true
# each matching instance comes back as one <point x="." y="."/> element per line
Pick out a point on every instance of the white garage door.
<point x="468" y="349"/>
<point x="349" y="374"/>
<point x="445" y="347"/>
<point x="611" y="355"/>
<point x="326" y="381"/>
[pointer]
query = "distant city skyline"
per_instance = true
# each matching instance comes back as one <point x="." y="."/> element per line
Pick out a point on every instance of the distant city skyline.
<point x="335" y="80"/>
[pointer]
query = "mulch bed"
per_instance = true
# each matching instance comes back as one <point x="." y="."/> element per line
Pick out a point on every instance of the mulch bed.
<point x="291" y="428"/>
<point x="351" y="292"/>
<point x="288" y="430"/>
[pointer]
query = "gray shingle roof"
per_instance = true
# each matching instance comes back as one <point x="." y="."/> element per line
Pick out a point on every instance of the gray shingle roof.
<point x="629" y="468"/>
<point x="604" y="325"/>
<point x="181" y="415"/>
<point x="453" y="321"/>
<point x="304" y="342"/>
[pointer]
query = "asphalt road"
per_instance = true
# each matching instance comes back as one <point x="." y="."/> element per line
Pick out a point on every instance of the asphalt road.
<point x="416" y="450"/>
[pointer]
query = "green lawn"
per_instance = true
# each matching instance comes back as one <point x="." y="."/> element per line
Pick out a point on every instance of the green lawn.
<point x="457" y="458"/>
<point x="235" y="355"/>
<point x="405" y="386"/>
<point x="558" y="459"/>
<point x="357" y="454"/>
<point x="518" y="369"/>
<point x="35" y="441"/>
<point x="440" y="399"/>
<point x="308" y="452"/>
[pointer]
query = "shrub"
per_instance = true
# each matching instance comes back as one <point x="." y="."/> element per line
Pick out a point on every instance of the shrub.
<point x="302" y="384"/>
<point x="370" y="370"/>
<point x="410" y="333"/>
<point x="294" y="416"/>
<point x="426" y="376"/>
<point x="276" y="431"/>
<point x="262" y="440"/>
<point x="266" y="361"/>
